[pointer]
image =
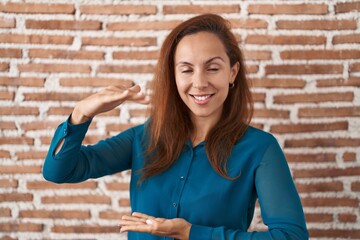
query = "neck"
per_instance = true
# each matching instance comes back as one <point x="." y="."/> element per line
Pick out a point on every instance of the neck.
<point x="202" y="127"/>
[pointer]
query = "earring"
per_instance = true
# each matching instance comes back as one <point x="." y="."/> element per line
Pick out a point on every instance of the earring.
<point x="231" y="85"/>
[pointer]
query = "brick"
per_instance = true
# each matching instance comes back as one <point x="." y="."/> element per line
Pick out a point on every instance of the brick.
<point x="14" y="169"/>
<point x="347" y="217"/>
<point x="36" y="39"/>
<point x="95" y="82"/>
<point x="271" y="113"/>
<point x="326" y="173"/>
<point x="314" y="97"/>
<point x="17" y="140"/>
<point x="21" y="227"/>
<point x="333" y="186"/>
<point x="317" y="24"/>
<point x="31" y="155"/>
<point x="112" y="214"/>
<point x="54" y="68"/>
<point x="347" y="7"/>
<point x="123" y="202"/>
<point x="355" y="67"/>
<point x="7" y="238"/>
<point x="5" y="95"/>
<point x="198" y="9"/>
<point x="319" y="217"/>
<point x="117" y="186"/>
<point x="296" y="9"/>
<point x="258" y="97"/>
<point x="320" y="54"/>
<point x="10" y="53"/>
<point x="346" y="38"/>
<point x="334" y="233"/>
<point x="16" y="197"/>
<point x="308" y="127"/>
<point x="37" y="8"/>
<point x="252" y="68"/>
<point x="118" y="9"/>
<point x="4" y="67"/>
<point x="63" y="54"/>
<point x="66" y="111"/>
<point x="139" y="113"/>
<point x="298" y="69"/>
<point x="355" y="186"/>
<point x="322" y="142"/>
<point x="138" y="55"/>
<point x="257" y="55"/>
<point x="248" y="23"/>
<point x="322" y="112"/>
<point x="8" y="183"/>
<point x="126" y="68"/>
<point x="352" y="82"/>
<point x="19" y="110"/>
<point x="55" y="214"/>
<point x="311" y="157"/>
<point x="7" y="22"/>
<point x="83" y="228"/>
<point x="22" y="81"/>
<point x="77" y="199"/>
<point x="40" y="125"/>
<point x="55" y="96"/>
<point x="90" y="139"/>
<point x="63" y="25"/>
<point x="349" y="156"/>
<point x="41" y="185"/>
<point x="119" y="41"/>
<point x="285" y="40"/>
<point x="118" y="127"/>
<point x="4" y="154"/>
<point x="329" y="202"/>
<point x="5" y="212"/>
<point x="141" y="25"/>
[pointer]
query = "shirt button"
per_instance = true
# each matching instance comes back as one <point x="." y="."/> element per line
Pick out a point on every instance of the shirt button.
<point x="174" y="204"/>
<point x="182" y="178"/>
<point x="65" y="131"/>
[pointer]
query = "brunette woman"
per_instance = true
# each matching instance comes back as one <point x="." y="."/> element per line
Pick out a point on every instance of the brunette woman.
<point x="197" y="166"/>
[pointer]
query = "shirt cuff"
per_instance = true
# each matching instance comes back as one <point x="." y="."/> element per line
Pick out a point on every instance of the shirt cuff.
<point x="198" y="232"/>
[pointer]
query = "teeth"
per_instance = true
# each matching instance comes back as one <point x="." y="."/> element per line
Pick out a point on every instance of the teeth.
<point x="202" y="98"/>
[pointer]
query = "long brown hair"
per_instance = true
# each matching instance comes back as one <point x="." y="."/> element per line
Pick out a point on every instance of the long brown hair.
<point x="170" y="125"/>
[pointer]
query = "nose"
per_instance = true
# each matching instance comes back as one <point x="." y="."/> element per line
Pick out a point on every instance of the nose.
<point x="200" y="81"/>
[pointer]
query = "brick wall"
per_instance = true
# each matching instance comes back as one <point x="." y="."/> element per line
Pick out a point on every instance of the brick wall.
<point x="303" y="59"/>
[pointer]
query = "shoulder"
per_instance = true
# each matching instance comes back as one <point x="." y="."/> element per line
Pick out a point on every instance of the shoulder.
<point x="258" y="137"/>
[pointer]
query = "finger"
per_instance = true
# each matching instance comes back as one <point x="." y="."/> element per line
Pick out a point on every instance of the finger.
<point x="134" y="219"/>
<point x="127" y="222"/>
<point x="136" y="228"/>
<point x="142" y="215"/>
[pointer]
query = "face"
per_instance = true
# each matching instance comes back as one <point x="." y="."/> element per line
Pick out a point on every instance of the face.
<point x="203" y="74"/>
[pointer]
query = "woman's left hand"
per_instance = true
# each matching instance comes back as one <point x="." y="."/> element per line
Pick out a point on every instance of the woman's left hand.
<point x="138" y="222"/>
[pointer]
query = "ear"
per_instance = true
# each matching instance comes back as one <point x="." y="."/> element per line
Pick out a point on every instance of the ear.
<point x="234" y="71"/>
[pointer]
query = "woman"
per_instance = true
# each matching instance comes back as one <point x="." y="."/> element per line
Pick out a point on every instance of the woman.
<point x="197" y="166"/>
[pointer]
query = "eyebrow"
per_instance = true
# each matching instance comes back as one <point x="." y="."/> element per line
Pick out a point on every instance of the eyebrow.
<point x="206" y="62"/>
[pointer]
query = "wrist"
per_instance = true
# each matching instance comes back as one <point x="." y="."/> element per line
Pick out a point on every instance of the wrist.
<point x="77" y="117"/>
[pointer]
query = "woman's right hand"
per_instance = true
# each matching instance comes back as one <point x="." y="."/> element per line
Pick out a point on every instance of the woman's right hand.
<point x="106" y="100"/>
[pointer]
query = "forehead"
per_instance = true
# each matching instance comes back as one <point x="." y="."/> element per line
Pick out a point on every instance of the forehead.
<point x="200" y="47"/>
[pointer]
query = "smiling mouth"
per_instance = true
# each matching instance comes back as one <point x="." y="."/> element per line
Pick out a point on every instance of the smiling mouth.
<point x="201" y="98"/>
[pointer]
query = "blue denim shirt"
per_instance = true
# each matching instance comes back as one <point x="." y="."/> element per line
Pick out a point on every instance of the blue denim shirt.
<point x="216" y="207"/>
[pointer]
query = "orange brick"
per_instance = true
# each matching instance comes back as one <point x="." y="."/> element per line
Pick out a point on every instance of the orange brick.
<point x="349" y="156"/>
<point x="96" y="82"/>
<point x="112" y="214"/>
<point x="274" y="9"/>
<point x="126" y="68"/>
<point x="56" y="214"/>
<point x="61" y="54"/>
<point x="277" y="83"/>
<point x="4" y="154"/>
<point x="84" y="229"/>
<point x="7" y="95"/>
<point x="311" y="158"/>
<point x="54" y="68"/>
<point x="16" y="197"/>
<point x="37" y="8"/>
<point x="14" y="169"/>
<point x="7" y="22"/>
<point x="334" y="233"/>
<point x="123" y="202"/>
<point x="140" y="55"/>
<point x="6" y="237"/>
<point x="333" y="186"/>
<point x="320" y="54"/>
<point x="90" y="139"/>
<point x="22" y="81"/>
<point x="347" y="7"/>
<point x="41" y="185"/>
<point x="19" y="111"/>
<point x="347" y="217"/>
<point x="318" y="217"/>
<point x="322" y="142"/>
<point x="309" y="127"/>
<point x="257" y="55"/>
<point x="252" y="68"/>
<point x="4" y="66"/>
<point x="63" y="25"/>
<point x="36" y="39"/>
<point x="117" y="41"/>
<point x="355" y="67"/>
<point x="77" y="199"/>
<point x="137" y="25"/>
<point x="118" y="9"/>
<point x="327" y="173"/>
<point x="258" y="97"/>
<point x="248" y="23"/>
<point x="17" y="140"/>
<point x="117" y="186"/>
<point x="139" y="113"/>
<point x="41" y="125"/>
<point x="352" y="81"/>
<point x="285" y="40"/>
<point x="314" y="97"/>
<point x="21" y="227"/>
<point x="118" y="127"/>
<point x="355" y="186"/>
<point x="5" y="212"/>
<point x="298" y="69"/>
<point x="329" y="202"/>
<point x="347" y="38"/>
<point x="198" y="9"/>
<point x="271" y="113"/>
<point x="317" y="24"/>
<point x="321" y="112"/>
<point x="55" y="96"/>
<point x="60" y="111"/>
<point x="31" y="155"/>
<point x="8" y="183"/>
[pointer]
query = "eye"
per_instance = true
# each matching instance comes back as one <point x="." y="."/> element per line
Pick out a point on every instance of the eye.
<point x="186" y="71"/>
<point x="213" y="69"/>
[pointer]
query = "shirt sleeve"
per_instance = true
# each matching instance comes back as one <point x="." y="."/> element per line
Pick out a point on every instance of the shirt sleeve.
<point x="76" y="163"/>
<point x="280" y="204"/>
